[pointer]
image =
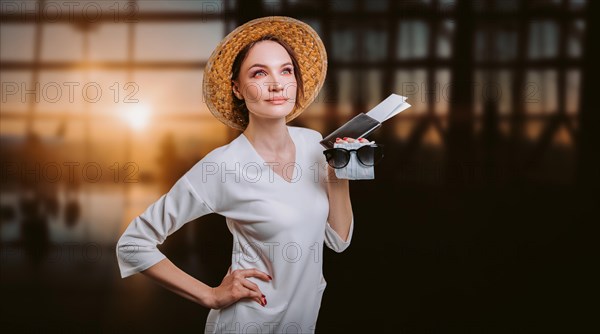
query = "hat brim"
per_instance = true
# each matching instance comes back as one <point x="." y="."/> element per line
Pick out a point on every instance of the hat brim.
<point x="306" y="43"/>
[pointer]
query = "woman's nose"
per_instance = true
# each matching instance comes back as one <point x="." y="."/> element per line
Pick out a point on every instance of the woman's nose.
<point x="275" y="86"/>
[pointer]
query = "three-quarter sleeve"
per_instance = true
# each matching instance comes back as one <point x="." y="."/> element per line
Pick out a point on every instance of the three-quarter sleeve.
<point x="334" y="241"/>
<point x="137" y="248"/>
<point x="332" y="238"/>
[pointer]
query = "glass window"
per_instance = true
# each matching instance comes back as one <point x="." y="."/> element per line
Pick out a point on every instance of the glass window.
<point x="414" y="4"/>
<point x="206" y="6"/>
<point x="108" y="42"/>
<point x="344" y="44"/>
<point x="543" y="39"/>
<point x="411" y="83"/>
<point x="232" y="4"/>
<point x="577" y="4"/>
<point x="481" y="47"/>
<point x="343" y="5"/>
<point x="177" y="41"/>
<point x="573" y="91"/>
<point x="271" y="7"/>
<point x="17" y="42"/>
<point x="444" y="39"/>
<point x="493" y="86"/>
<point x="442" y="79"/>
<point x="315" y="24"/>
<point x="575" y="38"/>
<point x="116" y="90"/>
<point x="446" y="4"/>
<point x="412" y="39"/>
<point x="308" y="4"/>
<point x="346" y="91"/>
<point x="374" y="44"/>
<point x="505" y="96"/>
<point x="15" y="86"/>
<point x="537" y="4"/>
<point x="171" y="92"/>
<point x="68" y="91"/>
<point x="373" y="87"/>
<point x="9" y="128"/>
<point x="541" y="92"/>
<point x="505" y="44"/>
<point x="376" y="5"/>
<point x="62" y="42"/>
<point x="506" y="5"/>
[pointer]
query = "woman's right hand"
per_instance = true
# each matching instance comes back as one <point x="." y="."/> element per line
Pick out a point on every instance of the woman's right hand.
<point x="235" y="286"/>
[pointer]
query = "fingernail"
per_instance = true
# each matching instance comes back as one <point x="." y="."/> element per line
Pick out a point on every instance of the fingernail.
<point x="265" y="299"/>
<point x="263" y="296"/>
<point x="345" y="138"/>
<point x="271" y="278"/>
<point x="360" y="138"/>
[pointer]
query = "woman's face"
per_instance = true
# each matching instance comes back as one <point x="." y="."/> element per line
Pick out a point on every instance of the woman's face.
<point x="266" y="81"/>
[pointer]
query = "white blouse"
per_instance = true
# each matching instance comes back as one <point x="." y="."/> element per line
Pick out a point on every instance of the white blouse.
<point x="278" y="227"/>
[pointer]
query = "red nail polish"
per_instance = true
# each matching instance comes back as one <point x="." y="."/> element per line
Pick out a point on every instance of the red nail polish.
<point x="265" y="299"/>
<point x="345" y="138"/>
<point x="271" y="278"/>
<point x="360" y="138"/>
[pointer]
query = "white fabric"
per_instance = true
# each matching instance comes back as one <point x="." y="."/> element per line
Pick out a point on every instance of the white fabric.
<point x="278" y="227"/>
<point x="354" y="170"/>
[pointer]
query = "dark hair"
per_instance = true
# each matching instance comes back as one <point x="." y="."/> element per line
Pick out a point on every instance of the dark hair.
<point x="240" y="110"/>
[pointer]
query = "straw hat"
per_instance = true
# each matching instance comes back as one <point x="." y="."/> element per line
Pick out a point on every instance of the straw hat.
<point x="309" y="49"/>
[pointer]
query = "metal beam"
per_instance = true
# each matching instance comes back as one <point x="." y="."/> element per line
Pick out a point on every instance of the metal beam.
<point x="108" y="16"/>
<point x="538" y="64"/>
<point x="180" y="115"/>
<point x="102" y="65"/>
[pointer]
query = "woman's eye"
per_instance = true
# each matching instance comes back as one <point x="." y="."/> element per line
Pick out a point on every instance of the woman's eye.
<point x="287" y="71"/>
<point x="259" y="73"/>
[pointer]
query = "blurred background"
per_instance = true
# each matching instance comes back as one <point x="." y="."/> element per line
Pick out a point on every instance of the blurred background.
<point x="480" y="219"/>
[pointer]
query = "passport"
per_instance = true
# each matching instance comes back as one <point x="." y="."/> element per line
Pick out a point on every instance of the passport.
<point x="361" y="125"/>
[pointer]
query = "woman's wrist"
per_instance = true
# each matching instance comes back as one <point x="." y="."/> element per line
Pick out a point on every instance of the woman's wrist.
<point x="205" y="295"/>
<point x="333" y="179"/>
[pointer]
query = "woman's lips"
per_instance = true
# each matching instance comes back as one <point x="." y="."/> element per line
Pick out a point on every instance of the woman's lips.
<point x="277" y="101"/>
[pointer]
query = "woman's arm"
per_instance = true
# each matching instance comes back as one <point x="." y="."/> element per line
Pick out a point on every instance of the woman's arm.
<point x="340" y="207"/>
<point x="172" y="278"/>
<point x="234" y="286"/>
<point x="137" y="251"/>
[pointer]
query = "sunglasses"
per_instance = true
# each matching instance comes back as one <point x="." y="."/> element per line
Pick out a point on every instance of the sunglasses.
<point x="368" y="155"/>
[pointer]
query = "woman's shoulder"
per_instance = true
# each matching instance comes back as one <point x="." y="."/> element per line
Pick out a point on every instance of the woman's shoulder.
<point x="306" y="132"/>
<point x="226" y="154"/>
<point x="310" y="140"/>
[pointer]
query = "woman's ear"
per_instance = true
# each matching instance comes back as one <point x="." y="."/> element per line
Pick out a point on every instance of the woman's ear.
<point x="236" y="90"/>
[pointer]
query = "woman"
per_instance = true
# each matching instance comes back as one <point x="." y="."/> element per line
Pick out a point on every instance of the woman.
<point x="270" y="183"/>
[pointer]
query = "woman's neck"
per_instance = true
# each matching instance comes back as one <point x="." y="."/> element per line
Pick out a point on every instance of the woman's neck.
<point x="269" y="135"/>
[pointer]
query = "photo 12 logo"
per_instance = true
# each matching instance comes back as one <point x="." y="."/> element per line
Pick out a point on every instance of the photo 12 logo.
<point x="67" y="92"/>
<point x="70" y="11"/>
<point x="69" y="172"/>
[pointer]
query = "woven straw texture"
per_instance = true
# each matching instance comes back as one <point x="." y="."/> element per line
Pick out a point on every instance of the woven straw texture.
<point x="309" y="49"/>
